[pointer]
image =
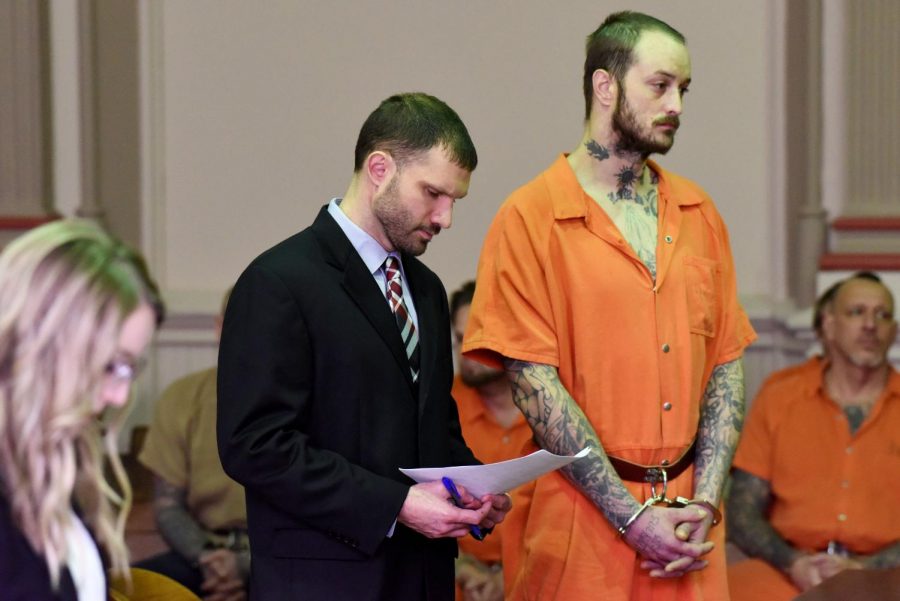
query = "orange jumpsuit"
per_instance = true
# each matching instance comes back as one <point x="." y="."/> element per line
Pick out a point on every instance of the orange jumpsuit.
<point x="559" y="285"/>
<point x="827" y="484"/>
<point x="491" y="443"/>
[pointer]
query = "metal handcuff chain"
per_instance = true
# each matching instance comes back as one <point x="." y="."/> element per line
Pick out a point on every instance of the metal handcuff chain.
<point x="655" y="498"/>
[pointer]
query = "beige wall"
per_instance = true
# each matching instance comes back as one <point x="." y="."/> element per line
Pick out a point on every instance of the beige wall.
<point x="252" y="111"/>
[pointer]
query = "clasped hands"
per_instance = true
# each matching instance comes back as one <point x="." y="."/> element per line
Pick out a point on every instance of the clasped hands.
<point x="222" y="578"/>
<point x="808" y="570"/>
<point x="429" y="510"/>
<point x="671" y="540"/>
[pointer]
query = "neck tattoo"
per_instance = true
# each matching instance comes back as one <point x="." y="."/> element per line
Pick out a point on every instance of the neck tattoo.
<point x="856" y="415"/>
<point x="628" y="179"/>
<point x="601" y="153"/>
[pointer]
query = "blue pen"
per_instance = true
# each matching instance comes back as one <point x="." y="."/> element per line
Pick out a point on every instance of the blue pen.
<point x="451" y="488"/>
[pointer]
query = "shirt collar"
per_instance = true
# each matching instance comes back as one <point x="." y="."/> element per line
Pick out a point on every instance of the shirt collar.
<point x="570" y="200"/>
<point x="368" y="248"/>
<point x="891" y="387"/>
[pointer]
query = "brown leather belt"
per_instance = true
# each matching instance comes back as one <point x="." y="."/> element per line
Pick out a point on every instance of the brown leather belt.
<point x="635" y="472"/>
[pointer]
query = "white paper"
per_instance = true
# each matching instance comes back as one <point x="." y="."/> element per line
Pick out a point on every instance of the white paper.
<point x="499" y="477"/>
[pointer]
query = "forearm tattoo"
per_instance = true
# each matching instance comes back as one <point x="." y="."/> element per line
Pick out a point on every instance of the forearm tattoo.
<point x="888" y="557"/>
<point x="748" y="527"/>
<point x="561" y="427"/>
<point x="721" y="419"/>
<point x="179" y="529"/>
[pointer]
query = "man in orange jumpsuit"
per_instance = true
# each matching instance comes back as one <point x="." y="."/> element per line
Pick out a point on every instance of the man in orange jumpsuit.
<point x="813" y="490"/>
<point x="495" y="431"/>
<point x="606" y="288"/>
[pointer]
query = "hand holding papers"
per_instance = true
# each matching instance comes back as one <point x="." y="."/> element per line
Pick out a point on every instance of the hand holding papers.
<point x="451" y="488"/>
<point x="500" y="477"/>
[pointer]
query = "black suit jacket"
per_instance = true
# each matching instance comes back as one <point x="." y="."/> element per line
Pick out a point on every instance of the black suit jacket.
<point x="23" y="573"/>
<point x="317" y="411"/>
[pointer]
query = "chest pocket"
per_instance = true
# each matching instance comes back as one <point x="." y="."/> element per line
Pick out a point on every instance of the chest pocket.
<point x="702" y="282"/>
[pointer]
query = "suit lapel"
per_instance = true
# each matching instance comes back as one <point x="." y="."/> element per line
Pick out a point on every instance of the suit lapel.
<point x="361" y="287"/>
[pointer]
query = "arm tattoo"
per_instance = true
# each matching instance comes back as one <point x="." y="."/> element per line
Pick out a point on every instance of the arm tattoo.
<point x="561" y="427"/>
<point x="601" y="153"/>
<point x="721" y="419"/>
<point x="179" y="529"/>
<point x="887" y="557"/>
<point x="748" y="527"/>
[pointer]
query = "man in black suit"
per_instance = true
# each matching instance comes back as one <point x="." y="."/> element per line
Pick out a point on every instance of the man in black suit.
<point x="335" y="370"/>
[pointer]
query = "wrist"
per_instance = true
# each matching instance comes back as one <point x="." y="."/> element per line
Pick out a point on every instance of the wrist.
<point x="623" y="529"/>
<point x="709" y="507"/>
<point x="790" y="561"/>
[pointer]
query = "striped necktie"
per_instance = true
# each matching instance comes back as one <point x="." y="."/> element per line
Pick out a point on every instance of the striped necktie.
<point x="404" y="320"/>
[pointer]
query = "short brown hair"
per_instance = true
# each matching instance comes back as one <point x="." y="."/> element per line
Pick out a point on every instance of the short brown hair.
<point x="611" y="47"/>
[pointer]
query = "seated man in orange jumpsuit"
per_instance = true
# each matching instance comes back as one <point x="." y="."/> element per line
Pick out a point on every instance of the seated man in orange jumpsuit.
<point x="200" y="511"/>
<point x="814" y="362"/>
<point x="813" y="491"/>
<point x="495" y="430"/>
<point x="606" y="288"/>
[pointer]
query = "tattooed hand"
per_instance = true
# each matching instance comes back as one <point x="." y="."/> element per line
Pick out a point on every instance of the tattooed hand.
<point x="655" y="536"/>
<point x="695" y="532"/>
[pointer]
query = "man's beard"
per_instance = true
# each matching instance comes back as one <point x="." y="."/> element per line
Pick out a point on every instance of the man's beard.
<point x="399" y="226"/>
<point x="631" y="138"/>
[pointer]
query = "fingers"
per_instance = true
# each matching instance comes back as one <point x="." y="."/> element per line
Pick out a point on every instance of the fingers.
<point x="679" y="565"/>
<point x="223" y="590"/>
<point x="499" y="506"/>
<point x="231" y="586"/>
<point x="664" y="547"/>
<point x="211" y="557"/>
<point x="684" y="530"/>
<point x="501" y="502"/>
<point x="674" y="569"/>
<point x="209" y="584"/>
<point x="466" y="498"/>
<point x="672" y="539"/>
<point x="693" y="515"/>
<point x="804" y="572"/>
<point x="482" y="513"/>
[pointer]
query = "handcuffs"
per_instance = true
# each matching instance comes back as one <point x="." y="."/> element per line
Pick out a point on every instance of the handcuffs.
<point x="656" y="475"/>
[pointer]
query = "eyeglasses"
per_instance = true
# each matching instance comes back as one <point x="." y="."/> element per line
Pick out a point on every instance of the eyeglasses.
<point x="125" y="370"/>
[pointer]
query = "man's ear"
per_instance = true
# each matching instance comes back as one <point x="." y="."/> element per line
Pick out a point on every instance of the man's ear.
<point x="379" y="168"/>
<point x="605" y="88"/>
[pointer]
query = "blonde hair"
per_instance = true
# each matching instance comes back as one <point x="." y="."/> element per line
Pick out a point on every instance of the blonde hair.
<point x="65" y="290"/>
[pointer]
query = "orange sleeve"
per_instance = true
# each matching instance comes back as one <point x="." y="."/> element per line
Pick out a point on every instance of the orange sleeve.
<point x="736" y="333"/>
<point x="511" y="314"/>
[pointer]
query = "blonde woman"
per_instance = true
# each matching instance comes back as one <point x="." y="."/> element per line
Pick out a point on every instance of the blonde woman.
<point x="77" y="310"/>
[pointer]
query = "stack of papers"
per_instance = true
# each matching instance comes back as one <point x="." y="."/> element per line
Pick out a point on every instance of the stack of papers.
<point x="500" y="477"/>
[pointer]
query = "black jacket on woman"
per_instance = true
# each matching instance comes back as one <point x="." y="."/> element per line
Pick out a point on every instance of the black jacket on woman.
<point x="23" y="573"/>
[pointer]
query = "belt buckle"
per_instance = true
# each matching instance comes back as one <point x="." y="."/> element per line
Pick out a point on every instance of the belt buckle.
<point x="654" y="475"/>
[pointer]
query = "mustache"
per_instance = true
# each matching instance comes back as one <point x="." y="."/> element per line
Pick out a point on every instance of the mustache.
<point x="673" y="121"/>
